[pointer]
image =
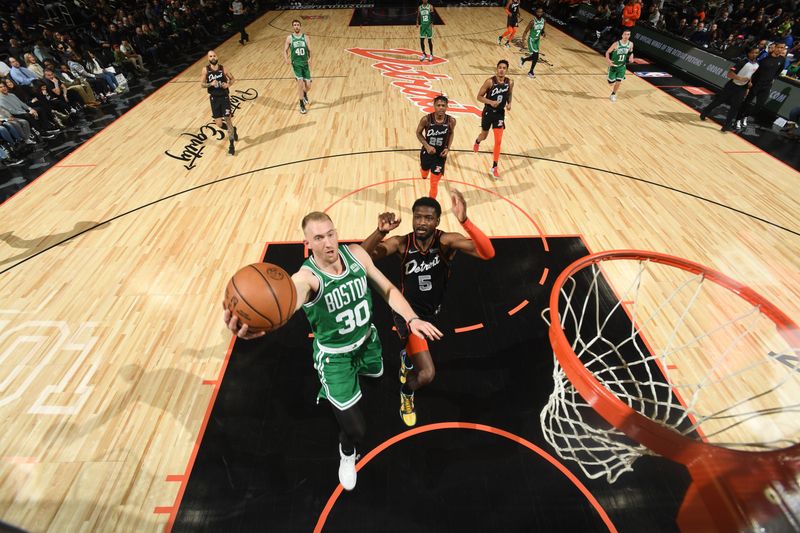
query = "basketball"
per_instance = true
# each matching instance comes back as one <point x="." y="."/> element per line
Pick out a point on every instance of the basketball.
<point x="262" y="295"/>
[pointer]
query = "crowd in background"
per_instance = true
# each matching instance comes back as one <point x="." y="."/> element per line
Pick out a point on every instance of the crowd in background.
<point x="59" y="62"/>
<point x="725" y="27"/>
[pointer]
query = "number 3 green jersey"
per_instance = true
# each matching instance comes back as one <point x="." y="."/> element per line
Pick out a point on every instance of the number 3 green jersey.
<point x="299" y="49"/>
<point x="341" y="312"/>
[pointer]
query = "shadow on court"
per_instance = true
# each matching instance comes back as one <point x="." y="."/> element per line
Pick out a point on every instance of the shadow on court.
<point x="36" y="244"/>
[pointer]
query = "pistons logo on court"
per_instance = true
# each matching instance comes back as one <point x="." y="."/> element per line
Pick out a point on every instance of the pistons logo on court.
<point x="409" y="75"/>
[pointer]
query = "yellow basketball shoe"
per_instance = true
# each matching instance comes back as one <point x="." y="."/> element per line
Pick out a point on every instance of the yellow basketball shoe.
<point x="407" y="411"/>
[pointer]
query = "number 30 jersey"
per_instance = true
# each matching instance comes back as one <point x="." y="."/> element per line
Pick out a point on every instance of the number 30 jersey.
<point x="424" y="275"/>
<point x="341" y="312"/>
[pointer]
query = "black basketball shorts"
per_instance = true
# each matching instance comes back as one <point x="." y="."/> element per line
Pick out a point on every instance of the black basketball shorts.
<point x="220" y="106"/>
<point x="433" y="162"/>
<point x="493" y="119"/>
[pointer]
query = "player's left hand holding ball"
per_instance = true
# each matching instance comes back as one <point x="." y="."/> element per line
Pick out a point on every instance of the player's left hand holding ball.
<point x="239" y="329"/>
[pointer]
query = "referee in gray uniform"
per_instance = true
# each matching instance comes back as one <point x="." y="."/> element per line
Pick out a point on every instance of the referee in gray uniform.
<point x="735" y="90"/>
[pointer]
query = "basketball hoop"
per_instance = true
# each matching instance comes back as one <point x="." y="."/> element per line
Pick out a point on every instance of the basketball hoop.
<point x="685" y="363"/>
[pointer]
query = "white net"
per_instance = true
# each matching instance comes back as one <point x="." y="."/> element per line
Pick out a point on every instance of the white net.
<point x="680" y="350"/>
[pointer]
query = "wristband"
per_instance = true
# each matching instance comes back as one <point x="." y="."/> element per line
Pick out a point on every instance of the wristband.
<point x="412" y="319"/>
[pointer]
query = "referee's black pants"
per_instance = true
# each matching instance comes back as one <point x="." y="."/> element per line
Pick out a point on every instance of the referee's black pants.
<point x="733" y="95"/>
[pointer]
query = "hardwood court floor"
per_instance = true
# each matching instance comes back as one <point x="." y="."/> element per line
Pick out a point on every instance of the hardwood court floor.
<point x="111" y="341"/>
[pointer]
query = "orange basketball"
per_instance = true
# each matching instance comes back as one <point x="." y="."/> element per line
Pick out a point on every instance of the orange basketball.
<point x="262" y="295"/>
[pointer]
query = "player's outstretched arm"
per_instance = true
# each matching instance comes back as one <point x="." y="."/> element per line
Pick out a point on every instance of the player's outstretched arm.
<point x="394" y="297"/>
<point x="478" y="245"/>
<point x="374" y="245"/>
<point x="203" y="75"/>
<point x="286" y="45"/>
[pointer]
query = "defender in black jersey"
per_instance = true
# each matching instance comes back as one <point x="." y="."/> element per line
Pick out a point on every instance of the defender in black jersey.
<point x="217" y="81"/>
<point x="435" y="132"/>
<point x="512" y="11"/>
<point x="495" y="93"/>
<point x="426" y="256"/>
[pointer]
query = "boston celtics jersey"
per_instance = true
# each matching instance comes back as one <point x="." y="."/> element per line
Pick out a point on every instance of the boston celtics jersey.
<point x="341" y="312"/>
<point x="535" y="34"/>
<point x="619" y="56"/>
<point x="425" y="18"/>
<point x="299" y="50"/>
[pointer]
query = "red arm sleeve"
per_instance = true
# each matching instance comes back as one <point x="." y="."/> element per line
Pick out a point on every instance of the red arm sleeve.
<point x="483" y="246"/>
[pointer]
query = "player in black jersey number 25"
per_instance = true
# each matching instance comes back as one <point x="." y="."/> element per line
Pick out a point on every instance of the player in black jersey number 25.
<point x="217" y="81"/>
<point x="426" y="254"/>
<point x="435" y="132"/>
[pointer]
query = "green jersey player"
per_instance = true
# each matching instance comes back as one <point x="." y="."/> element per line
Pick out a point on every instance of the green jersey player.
<point x="534" y="31"/>
<point x="425" y="25"/>
<point x="298" y="46"/>
<point x="618" y="56"/>
<point x="332" y="290"/>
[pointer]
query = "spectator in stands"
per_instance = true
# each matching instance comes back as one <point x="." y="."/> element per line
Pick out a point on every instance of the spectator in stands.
<point x="716" y="39"/>
<point x="132" y="55"/>
<point x="763" y="49"/>
<point x="94" y="66"/>
<point x="11" y="132"/>
<point x="654" y="16"/>
<point x="101" y="88"/>
<point x="33" y="65"/>
<point x="768" y="69"/>
<point x="149" y="48"/>
<point x="15" y="48"/>
<point x="75" y="84"/>
<point x="794" y="69"/>
<point x="700" y="37"/>
<point x="630" y="14"/>
<point x="691" y="29"/>
<point x="42" y="52"/>
<point x="21" y="125"/>
<point x="680" y="27"/>
<point x="25" y="19"/>
<point x="58" y="89"/>
<point x="30" y="96"/>
<point x="724" y="22"/>
<point x="787" y="39"/>
<point x="59" y="108"/>
<point x="5" y="70"/>
<point x="22" y="111"/>
<point x="21" y="75"/>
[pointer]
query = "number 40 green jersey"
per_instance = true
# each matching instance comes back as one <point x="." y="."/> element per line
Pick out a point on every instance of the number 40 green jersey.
<point x="341" y="312"/>
<point x="299" y="50"/>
